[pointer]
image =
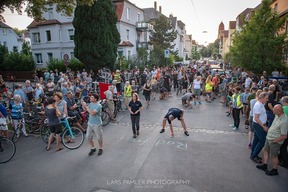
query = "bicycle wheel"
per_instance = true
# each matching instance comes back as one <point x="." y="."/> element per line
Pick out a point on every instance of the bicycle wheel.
<point x="45" y="133"/>
<point x="115" y="112"/>
<point x="73" y="139"/>
<point x="105" y="118"/>
<point x="7" y="150"/>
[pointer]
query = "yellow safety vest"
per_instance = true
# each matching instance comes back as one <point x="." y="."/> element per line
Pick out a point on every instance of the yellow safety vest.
<point x="239" y="104"/>
<point x="127" y="91"/>
<point x="208" y="87"/>
<point x="117" y="77"/>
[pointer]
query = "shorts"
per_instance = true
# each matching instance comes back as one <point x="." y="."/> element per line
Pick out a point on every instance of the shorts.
<point x="154" y="88"/>
<point x="197" y="92"/>
<point x="111" y="105"/>
<point x="96" y="130"/>
<point x="147" y="97"/>
<point x="57" y="129"/>
<point x="271" y="147"/>
<point x="3" y="124"/>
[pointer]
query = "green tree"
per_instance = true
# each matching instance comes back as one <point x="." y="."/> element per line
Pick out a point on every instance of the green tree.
<point x="26" y="49"/>
<point x="162" y="38"/>
<point x="35" y="8"/>
<point x="96" y="36"/>
<point x="3" y="51"/>
<point x="259" y="45"/>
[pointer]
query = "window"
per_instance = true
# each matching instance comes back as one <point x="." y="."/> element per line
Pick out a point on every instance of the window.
<point x="71" y="34"/>
<point x="50" y="56"/>
<point x="36" y="37"/>
<point x="50" y="13"/>
<point x="138" y="17"/>
<point x="38" y="58"/>
<point x="276" y="7"/>
<point x="5" y="43"/>
<point x="15" y="49"/>
<point x="72" y="55"/>
<point x="127" y="34"/>
<point x="129" y="54"/>
<point x="4" y="32"/>
<point x="48" y="35"/>
<point x="128" y="13"/>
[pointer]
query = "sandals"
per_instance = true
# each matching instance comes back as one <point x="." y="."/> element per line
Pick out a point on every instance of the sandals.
<point x="47" y="148"/>
<point x="60" y="149"/>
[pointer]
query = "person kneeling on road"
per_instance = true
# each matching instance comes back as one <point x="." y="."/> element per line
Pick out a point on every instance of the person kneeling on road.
<point x="163" y="93"/>
<point x="186" y="98"/>
<point x="172" y="114"/>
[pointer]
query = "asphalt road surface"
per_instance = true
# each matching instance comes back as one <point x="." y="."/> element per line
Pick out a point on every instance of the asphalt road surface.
<point x="213" y="158"/>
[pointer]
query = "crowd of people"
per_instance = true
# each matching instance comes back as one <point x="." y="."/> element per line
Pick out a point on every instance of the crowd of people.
<point x="260" y="100"/>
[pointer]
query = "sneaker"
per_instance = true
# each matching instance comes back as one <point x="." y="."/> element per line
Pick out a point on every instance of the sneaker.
<point x="100" y="151"/>
<point x="262" y="167"/>
<point x="235" y="128"/>
<point x="256" y="160"/>
<point x="162" y="130"/>
<point x="195" y="103"/>
<point x="228" y="115"/>
<point x="200" y="103"/>
<point x="249" y="146"/>
<point x="246" y="126"/>
<point x="272" y="172"/>
<point x="232" y="126"/>
<point x="138" y="133"/>
<point x="92" y="151"/>
<point x="25" y="134"/>
<point x="186" y="133"/>
<point x="134" y="136"/>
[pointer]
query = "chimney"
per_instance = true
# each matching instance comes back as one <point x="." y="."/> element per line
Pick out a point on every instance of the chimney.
<point x="155" y="5"/>
<point x="160" y="9"/>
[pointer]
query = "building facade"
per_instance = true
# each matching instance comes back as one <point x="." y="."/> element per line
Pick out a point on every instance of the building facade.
<point x="9" y="38"/>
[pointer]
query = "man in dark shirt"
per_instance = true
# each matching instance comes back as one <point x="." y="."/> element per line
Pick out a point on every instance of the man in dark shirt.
<point x="71" y="108"/>
<point x="172" y="114"/>
<point x="167" y="81"/>
<point x="269" y="105"/>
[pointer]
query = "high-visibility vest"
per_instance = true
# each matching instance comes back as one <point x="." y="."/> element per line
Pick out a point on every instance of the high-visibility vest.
<point x="238" y="101"/>
<point x="117" y="77"/>
<point x="208" y="87"/>
<point x="127" y="91"/>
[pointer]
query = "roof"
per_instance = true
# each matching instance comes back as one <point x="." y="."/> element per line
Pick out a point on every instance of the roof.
<point x="35" y="23"/>
<point x="232" y="24"/>
<point x="3" y="25"/>
<point x="119" y="9"/>
<point x="241" y="17"/>
<point x="151" y="14"/>
<point x="180" y="24"/>
<point x="125" y="44"/>
<point x="221" y="26"/>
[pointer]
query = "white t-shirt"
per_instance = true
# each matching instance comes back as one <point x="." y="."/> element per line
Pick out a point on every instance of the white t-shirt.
<point x="248" y="82"/>
<point x="260" y="109"/>
<point x="197" y="84"/>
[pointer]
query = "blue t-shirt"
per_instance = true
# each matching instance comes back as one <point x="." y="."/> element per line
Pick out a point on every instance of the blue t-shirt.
<point x="3" y="110"/>
<point x="95" y="119"/>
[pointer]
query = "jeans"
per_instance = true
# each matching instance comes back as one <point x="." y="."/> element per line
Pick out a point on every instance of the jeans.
<point x="270" y="117"/>
<point x="258" y="140"/>
<point x="283" y="156"/>
<point x="236" y="117"/>
<point x="135" y="123"/>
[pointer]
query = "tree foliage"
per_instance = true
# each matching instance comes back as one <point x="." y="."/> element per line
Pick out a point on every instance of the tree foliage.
<point x="162" y="38"/>
<point x="260" y="44"/>
<point x="163" y="34"/>
<point x="96" y="36"/>
<point x="36" y="7"/>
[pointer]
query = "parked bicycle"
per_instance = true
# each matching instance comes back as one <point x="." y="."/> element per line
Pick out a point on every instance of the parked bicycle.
<point x="7" y="148"/>
<point x="72" y="137"/>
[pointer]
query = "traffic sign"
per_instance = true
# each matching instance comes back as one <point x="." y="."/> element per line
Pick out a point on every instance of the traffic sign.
<point x="66" y="57"/>
<point x="166" y="53"/>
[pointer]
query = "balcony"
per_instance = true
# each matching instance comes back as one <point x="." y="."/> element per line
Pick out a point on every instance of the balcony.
<point x="142" y="45"/>
<point x="144" y="26"/>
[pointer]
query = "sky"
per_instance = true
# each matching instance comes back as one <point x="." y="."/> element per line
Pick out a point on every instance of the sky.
<point x="198" y="15"/>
